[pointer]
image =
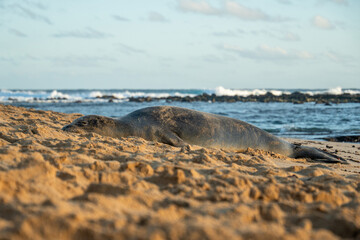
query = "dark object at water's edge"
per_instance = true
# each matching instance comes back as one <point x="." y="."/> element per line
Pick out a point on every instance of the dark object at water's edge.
<point x="351" y="138"/>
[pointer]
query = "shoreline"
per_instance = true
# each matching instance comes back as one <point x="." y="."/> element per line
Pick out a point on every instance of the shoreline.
<point x="62" y="185"/>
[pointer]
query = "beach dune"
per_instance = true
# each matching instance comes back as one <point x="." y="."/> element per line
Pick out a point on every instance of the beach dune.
<point x="60" y="185"/>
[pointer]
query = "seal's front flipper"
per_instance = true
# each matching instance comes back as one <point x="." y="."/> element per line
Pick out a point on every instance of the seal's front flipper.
<point x="171" y="139"/>
<point x="316" y="155"/>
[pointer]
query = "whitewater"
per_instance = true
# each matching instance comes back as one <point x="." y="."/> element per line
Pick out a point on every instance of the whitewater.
<point x="94" y="95"/>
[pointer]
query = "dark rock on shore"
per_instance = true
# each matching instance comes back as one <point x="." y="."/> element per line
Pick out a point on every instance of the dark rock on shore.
<point x="109" y="97"/>
<point x="296" y="98"/>
<point x="56" y="98"/>
<point x="351" y="138"/>
<point x="141" y="99"/>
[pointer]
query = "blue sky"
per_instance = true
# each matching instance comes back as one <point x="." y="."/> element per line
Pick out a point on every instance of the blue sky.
<point x="179" y="44"/>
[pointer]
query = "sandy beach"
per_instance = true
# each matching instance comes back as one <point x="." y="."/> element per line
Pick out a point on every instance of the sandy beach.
<point x="60" y="185"/>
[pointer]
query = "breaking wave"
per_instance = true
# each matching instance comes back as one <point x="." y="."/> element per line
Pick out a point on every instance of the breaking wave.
<point x="83" y="95"/>
<point x="221" y="91"/>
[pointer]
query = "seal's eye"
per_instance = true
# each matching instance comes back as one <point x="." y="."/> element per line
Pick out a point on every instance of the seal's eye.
<point x="82" y="123"/>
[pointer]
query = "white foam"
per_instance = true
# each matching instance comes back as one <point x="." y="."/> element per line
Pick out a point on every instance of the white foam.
<point x="279" y="93"/>
<point x="127" y="94"/>
<point x="221" y="91"/>
<point x="335" y="91"/>
<point x="27" y="92"/>
<point x="339" y="91"/>
<point x="95" y="94"/>
<point x="352" y="92"/>
<point x="56" y="94"/>
<point x="177" y="94"/>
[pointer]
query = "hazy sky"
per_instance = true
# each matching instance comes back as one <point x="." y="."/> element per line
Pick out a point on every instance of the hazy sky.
<point x="179" y="44"/>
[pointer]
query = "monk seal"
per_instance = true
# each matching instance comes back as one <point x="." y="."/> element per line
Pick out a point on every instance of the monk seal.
<point x="180" y="126"/>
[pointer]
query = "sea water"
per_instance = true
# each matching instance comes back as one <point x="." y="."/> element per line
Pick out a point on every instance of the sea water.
<point x="308" y="120"/>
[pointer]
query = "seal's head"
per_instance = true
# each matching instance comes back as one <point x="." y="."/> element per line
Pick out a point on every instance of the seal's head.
<point x="92" y="123"/>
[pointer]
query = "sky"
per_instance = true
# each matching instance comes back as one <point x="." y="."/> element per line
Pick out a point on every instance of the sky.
<point x="182" y="44"/>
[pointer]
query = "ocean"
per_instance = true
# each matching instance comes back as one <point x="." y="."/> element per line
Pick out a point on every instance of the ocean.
<point x="307" y="120"/>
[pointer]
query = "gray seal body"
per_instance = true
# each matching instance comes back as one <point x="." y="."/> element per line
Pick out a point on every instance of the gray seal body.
<point x="180" y="126"/>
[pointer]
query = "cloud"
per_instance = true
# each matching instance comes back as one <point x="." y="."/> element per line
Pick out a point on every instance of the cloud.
<point x="17" y="33"/>
<point x="197" y="6"/>
<point x="7" y="59"/>
<point x="243" y="12"/>
<point x="212" y="59"/>
<point x="15" y="60"/>
<point x="88" y="33"/>
<point x="130" y="50"/>
<point x="25" y="12"/>
<point x="228" y="33"/>
<point x="267" y="53"/>
<point x="120" y="18"/>
<point x="25" y="8"/>
<point x="277" y="34"/>
<point x="156" y="17"/>
<point x="291" y="37"/>
<point x="35" y="4"/>
<point x="338" y="57"/>
<point x="82" y="60"/>
<point x="250" y="14"/>
<point x="229" y="8"/>
<point x="322" y="23"/>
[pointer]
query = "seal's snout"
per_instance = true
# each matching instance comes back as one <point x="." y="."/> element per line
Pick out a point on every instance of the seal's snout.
<point x="70" y="128"/>
<point x="66" y="128"/>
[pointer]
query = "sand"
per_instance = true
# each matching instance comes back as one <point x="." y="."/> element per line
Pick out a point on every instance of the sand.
<point x="59" y="185"/>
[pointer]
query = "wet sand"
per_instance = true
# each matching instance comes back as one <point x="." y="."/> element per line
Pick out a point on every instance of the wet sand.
<point x="59" y="185"/>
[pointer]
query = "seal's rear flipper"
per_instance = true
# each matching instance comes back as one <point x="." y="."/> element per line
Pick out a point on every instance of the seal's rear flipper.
<point x="316" y="155"/>
<point x="331" y="161"/>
